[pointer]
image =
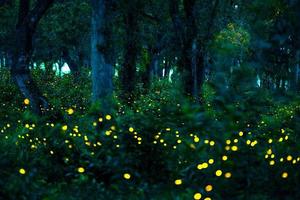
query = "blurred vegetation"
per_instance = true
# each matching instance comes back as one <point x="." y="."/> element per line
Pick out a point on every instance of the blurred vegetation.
<point x="252" y="137"/>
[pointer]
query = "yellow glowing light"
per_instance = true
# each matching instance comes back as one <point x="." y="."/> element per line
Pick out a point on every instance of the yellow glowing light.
<point x="196" y="139"/>
<point x="234" y="148"/>
<point x="270" y="141"/>
<point x="178" y="182"/>
<point x="284" y="175"/>
<point x="70" y="111"/>
<point x="197" y="196"/>
<point x="227" y="175"/>
<point x="127" y="176"/>
<point x="253" y="143"/>
<point x="80" y="169"/>
<point x="22" y="171"/>
<point x="64" y="128"/>
<point x="204" y="165"/>
<point x="108" y="117"/>
<point x="219" y="172"/>
<point x="208" y="188"/>
<point x="26" y="101"/>
<point x="131" y="129"/>
<point x="286" y="137"/>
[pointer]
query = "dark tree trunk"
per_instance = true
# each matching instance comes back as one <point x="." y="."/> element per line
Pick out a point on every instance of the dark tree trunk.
<point x="73" y="65"/>
<point x="80" y="60"/>
<point x="146" y="75"/>
<point x="179" y="29"/>
<point x="27" y="23"/>
<point x="60" y="64"/>
<point x="101" y="59"/>
<point x="153" y="69"/>
<point x="2" y="59"/>
<point x="154" y="63"/>
<point x="297" y="78"/>
<point x="191" y="61"/>
<point x="128" y="71"/>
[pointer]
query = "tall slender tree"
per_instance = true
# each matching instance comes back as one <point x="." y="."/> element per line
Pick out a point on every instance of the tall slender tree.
<point x="192" y="47"/>
<point x="128" y="70"/>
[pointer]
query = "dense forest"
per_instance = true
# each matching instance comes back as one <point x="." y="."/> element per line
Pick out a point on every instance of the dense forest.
<point x="157" y="99"/>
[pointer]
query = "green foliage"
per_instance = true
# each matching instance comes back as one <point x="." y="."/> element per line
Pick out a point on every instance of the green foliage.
<point x="233" y="41"/>
<point x="160" y="138"/>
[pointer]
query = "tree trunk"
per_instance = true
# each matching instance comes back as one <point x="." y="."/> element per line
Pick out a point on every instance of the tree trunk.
<point x="191" y="62"/>
<point x="74" y="67"/>
<point x="8" y="60"/>
<point x="198" y="69"/>
<point x="128" y="71"/>
<point x="167" y="68"/>
<point x="27" y="22"/>
<point x="294" y="79"/>
<point x="297" y="78"/>
<point x="101" y="62"/>
<point x="154" y="64"/>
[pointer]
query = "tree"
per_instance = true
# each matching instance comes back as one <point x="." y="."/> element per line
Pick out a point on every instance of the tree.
<point x="101" y="58"/>
<point x="69" y="41"/>
<point x="191" y="46"/>
<point x="128" y="70"/>
<point x="25" y="29"/>
<point x="8" y="16"/>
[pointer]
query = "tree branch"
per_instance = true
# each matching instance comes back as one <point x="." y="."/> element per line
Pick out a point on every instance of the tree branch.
<point x="38" y="11"/>
<point x="177" y="22"/>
